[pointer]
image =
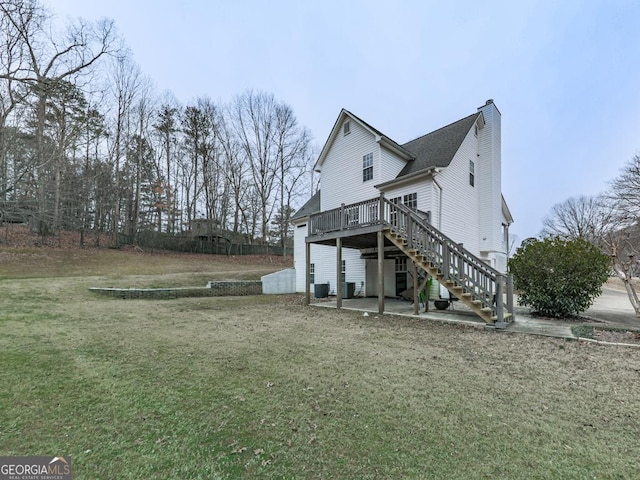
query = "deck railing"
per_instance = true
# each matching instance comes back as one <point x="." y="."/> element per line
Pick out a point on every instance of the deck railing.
<point x="457" y="264"/>
<point x="346" y="217"/>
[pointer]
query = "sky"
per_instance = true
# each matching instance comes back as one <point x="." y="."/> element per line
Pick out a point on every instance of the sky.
<point x="564" y="74"/>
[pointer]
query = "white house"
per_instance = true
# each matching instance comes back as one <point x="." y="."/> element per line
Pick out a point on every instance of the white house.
<point x="449" y="178"/>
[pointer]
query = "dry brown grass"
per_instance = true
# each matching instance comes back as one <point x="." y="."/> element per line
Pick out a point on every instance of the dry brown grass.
<point x="263" y="387"/>
<point x="34" y="262"/>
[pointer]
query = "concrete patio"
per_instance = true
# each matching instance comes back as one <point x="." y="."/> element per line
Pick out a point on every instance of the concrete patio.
<point x="612" y="308"/>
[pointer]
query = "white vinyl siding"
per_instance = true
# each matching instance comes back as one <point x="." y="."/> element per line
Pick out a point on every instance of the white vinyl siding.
<point x="390" y="165"/>
<point x="323" y="257"/>
<point x="460" y="208"/>
<point x="341" y="172"/>
<point x="488" y="181"/>
<point x="299" y="261"/>
<point x="421" y="187"/>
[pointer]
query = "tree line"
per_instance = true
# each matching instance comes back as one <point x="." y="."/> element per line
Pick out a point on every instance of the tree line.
<point x="87" y="144"/>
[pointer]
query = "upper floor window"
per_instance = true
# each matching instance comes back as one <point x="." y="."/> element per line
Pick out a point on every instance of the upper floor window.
<point x="367" y="167"/>
<point x="475" y="129"/>
<point x="346" y="128"/>
<point x="411" y="201"/>
<point x="472" y="172"/>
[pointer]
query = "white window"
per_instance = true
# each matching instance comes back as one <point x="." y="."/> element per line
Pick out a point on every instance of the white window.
<point x="411" y="201"/>
<point x="401" y="264"/>
<point x="367" y="167"/>
<point x="472" y="171"/>
<point x="343" y="271"/>
<point x="312" y="273"/>
<point x="346" y="128"/>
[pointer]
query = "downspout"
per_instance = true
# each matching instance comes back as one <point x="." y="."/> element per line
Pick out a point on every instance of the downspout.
<point x="439" y="199"/>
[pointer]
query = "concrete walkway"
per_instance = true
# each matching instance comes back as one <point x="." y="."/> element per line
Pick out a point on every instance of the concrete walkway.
<point x="611" y="309"/>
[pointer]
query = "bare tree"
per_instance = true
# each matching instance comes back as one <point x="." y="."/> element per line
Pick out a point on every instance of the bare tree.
<point x="576" y="217"/>
<point x="254" y="122"/>
<point x="167" y="127"/>
<point x="276" y="151"/>
<point x="625" y="192"/>
<point x="12" y="61"/>
<point x="602" y="221"/>
<point x="125" y="82"/>
<point x="51" y="60"/>
<point x="236" y="173"/>
<point x="293" y="147"/>
<point x="624" y="197"/>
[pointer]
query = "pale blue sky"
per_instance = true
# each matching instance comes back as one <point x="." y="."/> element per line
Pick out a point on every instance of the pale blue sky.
<point x="565" y="74"/>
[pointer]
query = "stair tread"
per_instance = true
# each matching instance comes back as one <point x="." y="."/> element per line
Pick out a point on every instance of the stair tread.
<point x="427" y="258"/>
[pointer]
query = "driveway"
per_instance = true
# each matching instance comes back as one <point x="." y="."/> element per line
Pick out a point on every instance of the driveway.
<point x="614" y="308"/>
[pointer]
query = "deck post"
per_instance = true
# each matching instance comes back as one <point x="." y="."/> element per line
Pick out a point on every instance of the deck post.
<point x="446" y="267"/>
<point x="416" y="291"/>
<point x="339" y="273"/>
<point x="510" y="297"/>
<point x="500" y="323"/>
<point x="307" y="261"/>
<point x="380" y="272"/>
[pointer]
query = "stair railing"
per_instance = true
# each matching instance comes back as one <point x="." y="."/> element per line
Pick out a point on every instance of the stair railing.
<point x="457" y="264"/>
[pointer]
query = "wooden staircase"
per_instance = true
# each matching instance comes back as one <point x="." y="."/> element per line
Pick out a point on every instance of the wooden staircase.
<point x="486" y="291"/>
<point x="467" y="277"/>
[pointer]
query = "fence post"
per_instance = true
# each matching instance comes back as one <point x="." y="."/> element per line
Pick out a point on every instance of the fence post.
<point x="342" y="219"/>
<point x="381" y="214"/>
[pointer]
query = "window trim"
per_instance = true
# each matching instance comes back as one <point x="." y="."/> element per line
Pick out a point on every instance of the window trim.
<point x="472" y="173"/>
<point x="367" y="167"/>
<point x="410" y="200"/>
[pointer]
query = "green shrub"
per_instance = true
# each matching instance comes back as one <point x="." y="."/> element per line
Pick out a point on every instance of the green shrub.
<point x="557" y="277"/>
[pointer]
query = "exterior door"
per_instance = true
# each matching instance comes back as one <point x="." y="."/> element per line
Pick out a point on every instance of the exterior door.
<point x="401" y="275"/>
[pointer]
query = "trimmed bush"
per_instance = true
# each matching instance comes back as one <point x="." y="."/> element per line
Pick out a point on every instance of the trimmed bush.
<point x="558" y="278"/>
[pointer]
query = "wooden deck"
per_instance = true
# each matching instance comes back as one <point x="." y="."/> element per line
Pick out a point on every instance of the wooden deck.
<point x="390" y="229"/>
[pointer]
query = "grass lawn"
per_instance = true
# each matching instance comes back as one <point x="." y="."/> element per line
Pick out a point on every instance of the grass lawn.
<point x="262" y="387"/>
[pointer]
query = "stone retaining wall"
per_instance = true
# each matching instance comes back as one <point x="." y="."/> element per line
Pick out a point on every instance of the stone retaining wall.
<point x="213" y="289"/>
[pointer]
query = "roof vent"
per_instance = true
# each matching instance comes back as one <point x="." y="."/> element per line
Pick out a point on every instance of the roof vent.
<point x="489" y="102"/>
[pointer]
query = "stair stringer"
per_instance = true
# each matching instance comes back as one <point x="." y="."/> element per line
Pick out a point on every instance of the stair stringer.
<point x="459" y="291"/>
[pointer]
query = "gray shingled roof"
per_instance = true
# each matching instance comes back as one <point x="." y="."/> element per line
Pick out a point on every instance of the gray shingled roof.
<point x="312" y="206"/>
<point x="436" y="149"/>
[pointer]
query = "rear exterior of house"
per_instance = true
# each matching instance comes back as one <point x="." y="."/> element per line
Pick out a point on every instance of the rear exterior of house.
<point x="451" y="178"/>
